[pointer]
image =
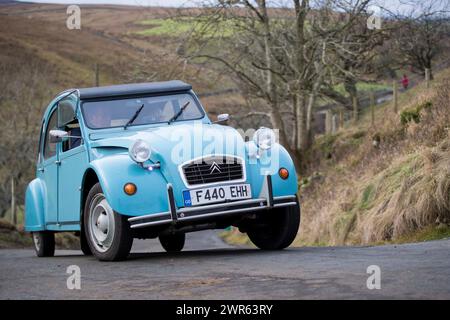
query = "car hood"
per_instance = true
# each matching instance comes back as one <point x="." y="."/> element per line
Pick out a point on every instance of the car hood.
<point x="173" y="145"/>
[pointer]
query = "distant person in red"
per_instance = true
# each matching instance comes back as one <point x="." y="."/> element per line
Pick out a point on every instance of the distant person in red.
<point x="405" y="82"/>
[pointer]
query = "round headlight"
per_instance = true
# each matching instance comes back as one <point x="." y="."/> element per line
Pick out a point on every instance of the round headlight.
<point x="264" y="138"/>
<point x="140" y="151"/>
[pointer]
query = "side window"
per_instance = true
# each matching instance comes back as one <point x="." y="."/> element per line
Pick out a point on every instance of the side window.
<point x="66" y="111"/>
<point x="50" y="148"/>
<point x="67" y="121"/>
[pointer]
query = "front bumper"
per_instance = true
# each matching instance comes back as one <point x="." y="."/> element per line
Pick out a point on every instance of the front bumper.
<point x="266" y="200"/>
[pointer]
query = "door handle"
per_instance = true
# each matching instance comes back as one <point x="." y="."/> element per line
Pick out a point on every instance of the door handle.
<point x="41" y="169"/>
<point x="58" y="162"/>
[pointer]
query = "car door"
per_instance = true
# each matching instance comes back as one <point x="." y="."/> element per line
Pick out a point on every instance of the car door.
<point x="72" y="164"/>
<point x="48" y="172"/>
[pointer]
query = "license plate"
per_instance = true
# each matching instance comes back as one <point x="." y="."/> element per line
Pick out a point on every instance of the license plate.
<point x="216" y="194"/>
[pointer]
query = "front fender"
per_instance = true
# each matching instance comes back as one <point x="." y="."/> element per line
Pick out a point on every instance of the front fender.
<point x="290" y="185"/>
<point x="115" y="171"/>
<point x="34" y="206"/>
<point x="269" y="162"/>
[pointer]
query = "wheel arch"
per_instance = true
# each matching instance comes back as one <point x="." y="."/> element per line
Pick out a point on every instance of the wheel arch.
<point x="35" y="206"/>
<point x="90" y="178"/>
<point x="115" y="171"/>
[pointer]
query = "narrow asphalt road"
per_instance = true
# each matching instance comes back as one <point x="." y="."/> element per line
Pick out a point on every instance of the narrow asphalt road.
<point x="211" y="269"/>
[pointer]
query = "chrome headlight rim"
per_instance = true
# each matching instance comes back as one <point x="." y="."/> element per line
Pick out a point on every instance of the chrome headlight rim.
<point x="140" y="151"/>
<point x="264" y="138"/>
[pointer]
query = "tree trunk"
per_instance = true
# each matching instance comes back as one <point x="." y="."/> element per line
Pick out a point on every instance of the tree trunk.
<point x="428" y="66"/>
<point x="13" y="203"/>
<point x="302" y="126"/>
<point x="312" y="100"/>
<point x="302" y="119"/>
<point x="295" y="127"/>
<point x="276" y="119"/>
<point x="277" y="123"/>
<point x="355" y="108"/>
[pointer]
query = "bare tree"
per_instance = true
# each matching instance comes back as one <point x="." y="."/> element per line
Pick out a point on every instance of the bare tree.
<point x="25" y="89"/>
<point x="421" y="33"/>
<point x="283" y="55"/>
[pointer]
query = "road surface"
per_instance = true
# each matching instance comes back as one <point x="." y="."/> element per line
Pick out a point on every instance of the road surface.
<point x="211" y="269"/>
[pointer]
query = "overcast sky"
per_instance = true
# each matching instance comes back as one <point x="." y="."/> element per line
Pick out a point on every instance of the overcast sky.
<point x="156" y="3"/>
<point x="394" y="5"/>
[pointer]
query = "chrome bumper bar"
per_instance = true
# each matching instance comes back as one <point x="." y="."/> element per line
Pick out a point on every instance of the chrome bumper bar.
<point x="264" y="201"/>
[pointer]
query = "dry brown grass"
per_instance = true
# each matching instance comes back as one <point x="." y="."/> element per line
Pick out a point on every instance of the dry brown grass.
<point x="372" y="195"/>
<point x="421" y="200"/>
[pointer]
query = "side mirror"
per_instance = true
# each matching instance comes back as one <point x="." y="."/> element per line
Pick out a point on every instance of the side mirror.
<point x="222" y="118"/>
<point x="58" y="136"/>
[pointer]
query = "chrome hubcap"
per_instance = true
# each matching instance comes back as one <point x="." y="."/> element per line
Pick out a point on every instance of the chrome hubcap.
<point x="101" y="223"/>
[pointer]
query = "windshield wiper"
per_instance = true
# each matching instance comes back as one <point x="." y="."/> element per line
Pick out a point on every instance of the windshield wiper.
<point x="136" y="114"/>
<point x="175" y="117"/>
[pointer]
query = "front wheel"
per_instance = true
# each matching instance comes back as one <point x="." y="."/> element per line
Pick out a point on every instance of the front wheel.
<point x="107" y="232"/>
<point x="44" y="243"/>
<point x="277" y="229"/>
<point x="173" y="242"/>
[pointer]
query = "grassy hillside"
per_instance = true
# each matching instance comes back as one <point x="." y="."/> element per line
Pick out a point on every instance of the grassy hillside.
<point x="387" y="192"/>
<point x="172" y="27"/>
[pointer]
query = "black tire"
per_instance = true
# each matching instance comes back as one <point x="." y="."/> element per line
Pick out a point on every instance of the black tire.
<point x="44" y="243"/>
<point x="279" y="228"/>
<point x="173" y="242"/>
<point x="84" y="245"/>
<point x="122" y="239"/>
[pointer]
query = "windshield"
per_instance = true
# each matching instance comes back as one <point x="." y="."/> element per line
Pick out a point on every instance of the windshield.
<point x="157" y="109"/>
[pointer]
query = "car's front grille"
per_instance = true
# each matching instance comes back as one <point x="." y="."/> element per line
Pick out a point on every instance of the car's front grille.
<point x="213" y="169"/>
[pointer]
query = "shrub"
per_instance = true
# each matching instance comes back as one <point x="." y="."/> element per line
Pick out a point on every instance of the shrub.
<point x="408" y="115"/>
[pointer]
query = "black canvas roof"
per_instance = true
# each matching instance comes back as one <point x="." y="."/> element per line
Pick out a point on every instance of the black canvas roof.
<point x="134" y="89"/>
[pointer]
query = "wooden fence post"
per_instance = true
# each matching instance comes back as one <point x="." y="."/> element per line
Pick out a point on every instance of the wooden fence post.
<point x="427" y="77"/>
<point x="334" y="125"/>
<point x="355" y="109"/>
<point x="13" y="203"/>
<point x="96" y="73"/>
<point x="328" y="120"/>
<point x="395" y="93"/>
<point x="372" y="108"/>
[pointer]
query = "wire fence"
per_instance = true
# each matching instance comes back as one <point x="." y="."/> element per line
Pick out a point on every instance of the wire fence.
<point x="330" y="117"/>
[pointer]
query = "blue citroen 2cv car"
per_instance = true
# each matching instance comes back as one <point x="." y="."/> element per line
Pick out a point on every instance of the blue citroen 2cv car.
<point x="144" y="161"/>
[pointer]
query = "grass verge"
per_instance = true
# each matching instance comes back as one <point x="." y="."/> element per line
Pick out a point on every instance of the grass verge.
<point x="12" y="237"/>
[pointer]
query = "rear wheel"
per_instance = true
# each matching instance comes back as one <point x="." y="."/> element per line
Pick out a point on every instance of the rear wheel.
<point x="173" y="242"/>
<point x="278" y="228"/>
<point x="44" y="243"/>
<point x="107" y="232"/>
